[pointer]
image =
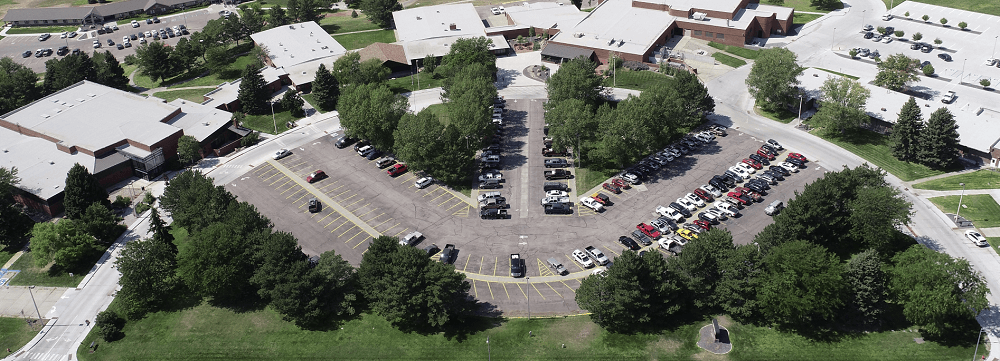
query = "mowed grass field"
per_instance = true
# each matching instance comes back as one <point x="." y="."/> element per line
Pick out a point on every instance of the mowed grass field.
<point x="32" y="275"/>
<point x="635" y="79"/>
<point x="874" y="148"/>
<point x="804" y="5"/>
<point x="991" y="7"/>
<point x="728" y="60"/>
<point x="361" y="40"/>
<point x="981" y="209"/>
<point x="980" y="179"/>
<point x="342" y="22"/>
<point x="194" y="95"/>
<point x="14" y="333"/>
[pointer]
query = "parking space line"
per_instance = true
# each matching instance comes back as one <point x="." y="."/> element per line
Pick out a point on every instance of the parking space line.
<point x="352" y="237"/>
<point x="366" y="213"/>
<point x="272" y="176"/>
<point x="341" y="225"/>
<point x="491" y="290"/>
<point x="407" y="179"/>
<point x="431" y="192"/>
<point x="262" y="169"/>
<point x="335" y="189"/>
<point x="349" y="198"/>
<point x="282" y="184"/>
<point x="294" y="193"/>
<point x="567" y="286"/>
<point x="536" y="290"/>
<point x="474" y="289"/>
<point x="360" y="243"/>
<point x="495" y="262"/>
<point x="374" y="218"/>
<point x="612" y="251"/>
<point x="331" y="222"/>
<point x="300" y="198"/>
<point x="294" y="165"/>
<point x="505" y="290"/>
<point x="466" y="262"/>
<point x="339" y="194"/>
<point x="393" y="226"/>
<point x="481" y="265"/>
<point x="324" y="187"/>
<point x="554" y="289"/>
<point x="446" y="200"/>
<point x="574" y="263"/>
<point x="543" y="270"/>
<point x="289" y="188"/>
<point x="383" y="222"/>
<point x="522" y="290"/>
<point x="324" y="217"/>
<point x="456" y="204"/>
<point x="438" y="196"/>
<point x="400" y="232"/>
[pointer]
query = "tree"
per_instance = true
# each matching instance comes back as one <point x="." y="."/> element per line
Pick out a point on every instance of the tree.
<point x="148" y="277"/>
<point x="634" y="295"/>
<point x="896" y="72"/>
<point x="802" y="285"/>
<point x="109" y="71"/>
<point x="937" y="291"/>
<point x="907" y="131"/>
<point x="853" y="53"/>
<point x="66" y="243"/>
<point x="371" y="111"/>
<point x="430" y="63"/>
<point x="160" y="231"/>
<point x="276" y="16"/>
<point x="937" y="41"/>
<point x="293" y="11"/>
<point x="943" y="21"/>
<point x="741" y="270"/>
<point x="698" y="268"/>
<point x="102" y="224"/>
<point x="325" y="89"/>
<point x="939" y="140"/>
<point x="109" y="325"/>
<point x="293" y="102"/>
<point x="194" y="202"/>
<point x="925" y="17"/>
<point x="61" y="73"/>
<point x="881" y="30"/>
<point x="899" y="33"/>
<point x="349" y="70"/>
<point x="843" y="103"/>
<point x="697" y="103"/>
<point x="826" y="4"/>
<point x="233" y="29"/>
<point x="467" y="51"/>
<point x="571" y="124"/>
<point x="372" y="71"/>
<point x="17" y="85"/>
<point x="625" y="131"/>
<point x="154" y="60"/>
<point x="575" y="79"/>
<point x="773" y="79"/>
<point x="253" y="94"/>
<point x="869" y="288"/>
<point x="188" y="149"/>
<point x="307" y="11"/>
<point x="184" y="54"/>
<point x="985" y="83"/>
<point x="963" y="25"/>
<point x="917" y="36"/>
<point x="906" y="14"/>
<point x="409" y="289"/>
<point x="82" y="189"/>
<point x="469" y="100"/>
<point x="252" y="18"/>
<point x="928" y="70"/>
<point x="14" y="224"/>
<point x="217" y="59"/>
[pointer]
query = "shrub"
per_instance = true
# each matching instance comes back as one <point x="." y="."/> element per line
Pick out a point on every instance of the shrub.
<point x="635" y="65"/>
<point x="109" y="325"/>
<point x="250" y="139"/>
<point x="963" y="25"/>
<point x="906" y="14"/>
<point x="928" y="70"/>
<point x="938" y="41"/>
<point x="853" y="53"/>
<point x="531" y="32"/>
<point x="130" y="60"/>
<point x="943" y="21"/>
<point x="354" y="13"/>
<point x="121" y="201"/>
<point x="925" y="17"/>
<point x="899" y="33"/>
<point x="917" y="36"/>
<point x="881" y="30"/>
<point x="985" y="83"/>
<point x="536" y="47"/>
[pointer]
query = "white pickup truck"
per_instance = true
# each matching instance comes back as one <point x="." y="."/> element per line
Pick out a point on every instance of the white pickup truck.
<point x="411" y="238"/>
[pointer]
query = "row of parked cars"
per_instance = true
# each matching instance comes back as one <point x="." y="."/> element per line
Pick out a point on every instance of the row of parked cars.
<point x="492" y="205"/>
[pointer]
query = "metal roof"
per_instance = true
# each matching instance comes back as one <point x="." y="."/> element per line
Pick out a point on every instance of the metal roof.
<point x="565" y="51"/>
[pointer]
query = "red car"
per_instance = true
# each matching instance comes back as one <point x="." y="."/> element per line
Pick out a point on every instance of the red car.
<point x="769" y="152"/>
<point x="648" y="230"/>
<point x="703" y="224"/>
<point x="753" y="163"/>
<point x="798" y="156"/>
<point x="612" y="188"/>
<point x="764" y="153"/>
<point x="736" y="197"/>
<point x="315" y="176"/>
<point x="618" y="182"/>
<point x="701" y="193"/>
<point x="602" y="199"/>
<point x="396" y="169"/>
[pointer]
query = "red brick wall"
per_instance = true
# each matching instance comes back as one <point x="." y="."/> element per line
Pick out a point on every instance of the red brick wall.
<point x="731" y="36"/>
<point x="169" y="145"/>
<point x="51" y="208"/>
<point x="228" y="148"/>
<point x="650" y="6"/>
<point x="113" y="175"/>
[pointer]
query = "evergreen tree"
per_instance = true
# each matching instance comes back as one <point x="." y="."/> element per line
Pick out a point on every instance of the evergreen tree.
<point x="61" y="73"/>
<point x="277" y="16"/>
<point x="253" y="94"/>
<point x="18" y="85"/>
<point x="109" y="71"/>
<point x="160" y="230"/>
<point x="82" y="189"/>
<point x="293" y="11"/>
<point x="906" y="133"/>
<point x="869" y="287"/>
<point x="293" y="102"/>
<point x="325" y="89"/>
<point x="939" y="140"/>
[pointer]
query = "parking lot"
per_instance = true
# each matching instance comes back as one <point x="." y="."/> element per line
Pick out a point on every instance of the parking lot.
<point x="13" y="45"/>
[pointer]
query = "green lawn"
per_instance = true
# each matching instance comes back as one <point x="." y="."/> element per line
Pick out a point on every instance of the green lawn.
<point x="54" y="30"/>
<point x="728" y="60"/>
<point x="841" y="74"/>
<point x="994" y="242"/>
<point x="800" y="18"/>
<point x="736" y="50"/>
<point x="635" y="79"/>
<point x="234" y="71"/>
<point x="14" y="333"/>
<point x="194" y="95"/>
<point x="874" y="148"/>
<point x="805" y="5"/>
<point x="343" y="23"/>
<point x="981" y="209"/>
<point x="980" y="179"/>
<point x="266" y="124"/>
<point x="441" y="111"/>
<point x="309" y="99"/>
<point x="587" y="178"/>
<point x="980" y="6"/>
<point x="402" y="85"/>
<point x="39" y="276"/>
<point x="361" y="40"/>
<point x="782" y="115"/>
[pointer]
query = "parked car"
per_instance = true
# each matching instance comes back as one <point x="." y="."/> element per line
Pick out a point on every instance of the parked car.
<point x="597" y="255"/>
<point x="703" y="224"/>
<point x="493" y="213"/>
<point x="411" y="238"/>
<point x="423" y="182"/>
<point x="686" y="234"/>
<point x="281" y="153"/>
<point x="44" y="37"/>
<point x="713" y="190"/>
<point x="629" y="243"/>
<point x="798" y="156"/>
<point x="556" y="163"/>
<point x="315" y="176"/>
<point x="648" y="230"/>
<point x="582" y="259"/>
<point x="976" y="238"/>
<point x="704" y="195"/>
<point x="314" y="205"/>
<point x="603" y="199"/>
<point x="789" y="167"/>
<point x="557" y="266"/>
<point x="774" y="208"/>
<point x="516" y="265"/>
<point x="612" y="188"/>
<point x="557" y="208"/>
<point x="683" y="210"/>
<point x="944" y="57"/>
<point x="948" y="97"/>
<point x="663" y="225"/>
<point x="591" y="203"/>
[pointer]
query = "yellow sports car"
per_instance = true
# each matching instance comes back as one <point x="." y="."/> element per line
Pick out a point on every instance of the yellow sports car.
<point x="687" y="234"/>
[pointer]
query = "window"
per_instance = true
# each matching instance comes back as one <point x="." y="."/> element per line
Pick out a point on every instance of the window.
<point x="719" y="36"/>
<point x="697" y="32"/>
<point x="709" y="34"/>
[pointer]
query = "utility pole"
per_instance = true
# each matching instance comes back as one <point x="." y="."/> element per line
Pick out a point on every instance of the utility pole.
<point x="275" y="121"/>
<point x="960" y="202"/>
<point x="33" y="302"/>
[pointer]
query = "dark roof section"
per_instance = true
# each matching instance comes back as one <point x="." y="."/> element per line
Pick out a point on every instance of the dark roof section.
<point x="384" y="52"/>
<point x="72" y="13"/>
<point x="565" y="51"/>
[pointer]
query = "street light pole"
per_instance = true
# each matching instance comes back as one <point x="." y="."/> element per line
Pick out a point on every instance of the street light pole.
<point x="527" y="294"/>
<point x="800" y="106"/>
<point x="978" y="339"/>
<point x="994" y="53"/>
<point x="33" y="302"/>
<point x="960" y="202"/>
<point x="275" y="121"/>
<point x="962" y="74"/>
<point x="489" y="354"/>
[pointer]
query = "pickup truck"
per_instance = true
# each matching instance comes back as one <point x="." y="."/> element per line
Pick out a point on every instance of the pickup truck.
<point x="597" y="255"/>
<point x="493" y="213"/>
<point x="411" y="238"/>
<point x="516" y="265"/>
<point x="948" y="97"/>
<point x="494" y="203"/>
<point x="558" y="174"/>
<point x="557" y="266"/>
<point x="448" y="254"/>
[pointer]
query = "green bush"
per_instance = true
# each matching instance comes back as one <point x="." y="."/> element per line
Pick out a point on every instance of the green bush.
<point x="925" y="17"/>
<point x="109" y="325"/>
<point x="985" y="83"/>
<point x="944" y="21"/>
<point x="928" y="70"/>
<point x="121" y="201"/>
<point x="963" y="25"/>
<point x="250" y="140"/>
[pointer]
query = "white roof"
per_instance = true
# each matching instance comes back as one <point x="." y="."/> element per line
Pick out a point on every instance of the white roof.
<point x="546" y="15"/>
<point x="633" y="30"/>
<point x="441" y="46"/>
<point x="223" y="94"/>
<point x="714" y="5"/>
<point x="197" y="120"/>
<point x="431" y="22"/>
<point x="93" y="116"/>
<point x="297" y="43"/>
<point x="306" y="72"/>
<point x="40" y="165"/>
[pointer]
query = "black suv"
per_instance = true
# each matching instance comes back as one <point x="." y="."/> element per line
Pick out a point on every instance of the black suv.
<point x="680" y="209"/>
<point x="558" y="208"/>
<point x="493" y="214"/>
<point x="556" y="163"/>
<point x="344" y="141"/>
<point x="629" y="243"/>
<point x="777" y="169"/>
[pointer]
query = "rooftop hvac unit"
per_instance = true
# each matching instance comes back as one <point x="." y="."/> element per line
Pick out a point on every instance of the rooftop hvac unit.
<point x="418" y="18"/>
<point x="452" y="26"/>
<point x="577" y="35"/>
<point x="620" y="43"/>
<point x="291" y="27"/>
<point x="612" y="41"/>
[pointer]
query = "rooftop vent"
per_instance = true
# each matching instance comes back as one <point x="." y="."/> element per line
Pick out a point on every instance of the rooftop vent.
<point x="91" y="95"/>
<point x="302" y="26"/>
<point x="452" y="26"/>
<point x="311" y="34"/>
<point x="46" y="116"/>
<point x="577" y="35"/>
<point x="612" y="41"/>
<point x="52" y="162"/>
<point x="206" y="123"/>
<point x="79" y="100"/>
<point x="419" y="18"/>
<point x="5" y="150"/>
<point x="324" y="47"/>
<point x="291" y="27"/>
<point x="55" y="100"/>
<point x="621" y="42"/>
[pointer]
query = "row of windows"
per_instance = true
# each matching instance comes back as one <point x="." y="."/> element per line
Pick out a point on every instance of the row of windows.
<point x="709" y="34"/>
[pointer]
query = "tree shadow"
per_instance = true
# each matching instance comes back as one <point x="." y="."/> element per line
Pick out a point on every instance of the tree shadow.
<point x="330" y="28"/>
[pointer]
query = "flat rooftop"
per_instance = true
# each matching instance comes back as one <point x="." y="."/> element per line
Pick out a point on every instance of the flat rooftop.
<point x="41" y="167"/>
<point x="714" y="5"/>
<point x="433" y="22"/>
<point x="294" y="44"/>
<point x="197" y="120"/>
<point x="546" y="15"/>
<point x="616" y="26"/>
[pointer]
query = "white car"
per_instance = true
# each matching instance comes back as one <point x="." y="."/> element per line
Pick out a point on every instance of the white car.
<point x="740" y="172"/>
<point x="423" y="182"/>
<point x="887" y="39"/>
<point x="149" y="34"/>
<point x="711" y="190"/>
<point x="97" y="44"/>
<point x="976" y="238"/>
<point x="775" y="144"/>
<point x="886" y="17"/>
<point x="556" y="193"/>
<point x="135" y="24"/>
<point x="582" y="258"/>
<point x="665" y="242"/>
<point x="492" y="175"/>
<point x="694" y="199"/>
<point x="281" y="153"/>
<point x="687" y="204"/>
<point x="495" y="11"/>
<point x="717" y="213"/>
<point x="726" y="209"/>
<point x="500" y="7"/>
<point x="711" y="216"/>
<point x="142" y="40"/>
<point x="548" y="200"/>
<point x="662" y="226"/>
<point x="750" y="169"/>
<point x="669" y="213"/>
<point x="488" y="195"/>
<point x="877" y="38"/>
<point x="592" y="204"/>
<point x="63" y="35"/>
<point x="789" y="167"/>
<point x="125" y="40"/>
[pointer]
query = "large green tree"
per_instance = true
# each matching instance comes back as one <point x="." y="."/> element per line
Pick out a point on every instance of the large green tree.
<point x="939" y="140"/>
<point x="194" y="202"/>
<point x="575" y="79"/>
<point x="82" y="189"/>
<point x="154" y="60"/>
<point x="276" y="16"/>
<point x="252" y="18"/>
<point x="571" y="125"/>
<point x="350" y="70"/>
<point x="826" y="4"/>
<point x="938" y="292"/>
<point x="773" y="79"/>
<point x="371" y="111"/>
<point x="409" y="289"/>
<point x="637" y="294"/>
<point x="184" y="54"/>
<point x="293" y="102"/>
<point x="109" y="71"/>
<point x="148" y="277"/>
<point x="17" y="85"/>
<point x="699" y="267"/>
<point x="69" y="70"/>
<point x="741" y="270"/>
<point x="896" y="72"/>
<point x="14" y="224"/>
<point x="66" y="243"/>
<point x="188" y="149"/>
<point x="253" y="93"/>
<point x="626" y="131"/>
<point x="868" y="288"/>
<point x="100" y="222"/>
<point x="325" y="89"/>
<point x="843" y="104"/>
<point x="379" y="12"/>
<point x="802" y="285"/>
<point x="907" y="131"/>
<point x="469" y="102"/>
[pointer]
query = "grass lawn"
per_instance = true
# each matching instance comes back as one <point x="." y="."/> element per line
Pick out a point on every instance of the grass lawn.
<point x="7" y="252"/>
<point x="402" y="85"/>
<point x="54" y="30"/>
<point x="441" y="110"/>
<point x="981" y="209"/>
<point x="841" y="74"/>
<point x="801" y="18"/>
<point x="342" y="22"/>
<point x="736" y="50"/>
<point x="636" y="79"/>
<point x="980" y="179"/>
<point x="804" y="5"/>
<point x="782" y="115"/>
<point x="361" y="40"/>
<point x="266" y="124"/>
<point x="269" y="3"/>
<point x="729" y="60"/>
<point x="234" y="71"/>
<point x="195" y="95"/>
<point x="874" y="148"/>
<point x="32" y="275"/>
<point x="14" y="333"/>
<point x="980" y="6"/>
<point x="994" y="242"/>
<point x="587" y="178"/>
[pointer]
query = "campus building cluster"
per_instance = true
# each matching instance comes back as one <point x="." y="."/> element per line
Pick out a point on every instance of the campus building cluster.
<point x="94" y="15"/>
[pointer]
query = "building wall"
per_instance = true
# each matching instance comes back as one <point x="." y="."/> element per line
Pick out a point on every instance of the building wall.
<point x="113" y="175"/>
<point x="169" y="145"/>
<point x="729" y="36"/>
<point x="51" y="207"/>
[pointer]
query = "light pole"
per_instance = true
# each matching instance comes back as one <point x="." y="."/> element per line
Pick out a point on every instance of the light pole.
<point x="528" y="293"/>
<point x="962" y="74"/>
<point x="960" y="202"/>
<point x="863" y="17"/>
<point x="275" y="121"/>
<point x="980" y="338"/>
<point x="833" y="39"/>
<point x="489" y="354"/>
<point x="800" y="106"/>
<point x="994" y="53"/>
<point x="33" y="302"/>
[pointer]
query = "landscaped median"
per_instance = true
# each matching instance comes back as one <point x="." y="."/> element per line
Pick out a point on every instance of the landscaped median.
<point x="981" y="209"/>
<point x="728" y="60"/>
<point x="874" y="148"/>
